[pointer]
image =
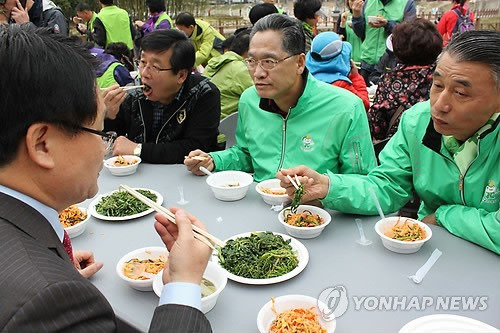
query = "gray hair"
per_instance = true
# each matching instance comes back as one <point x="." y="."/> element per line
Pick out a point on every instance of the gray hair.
<point x="478" y="46"/>
<point x="294" y="40"/>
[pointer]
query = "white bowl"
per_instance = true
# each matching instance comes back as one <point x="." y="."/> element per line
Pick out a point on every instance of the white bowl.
<point x="272" y="199"/>
<point x="305" y="232"/>
<point x="373" y="19"/>
<point x="79" y="228"/>
<point x="152" y="252"/>
<point x="219" y="183"/>
<point x="122" y="170"/>
<point x="212" y="273"/>
<point x="397" y="245"/>
<point x="266" y="315"/>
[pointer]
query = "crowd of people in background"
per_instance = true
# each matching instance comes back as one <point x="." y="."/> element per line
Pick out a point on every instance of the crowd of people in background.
<point x="304" y="108"/>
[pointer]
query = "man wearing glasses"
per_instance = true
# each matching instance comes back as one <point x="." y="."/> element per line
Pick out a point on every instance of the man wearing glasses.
<point x="289" y="117"/>
<point x="176" y="111"/>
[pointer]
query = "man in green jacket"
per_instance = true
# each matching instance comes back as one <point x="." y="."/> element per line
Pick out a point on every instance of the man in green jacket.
<point x="113" y="25"/>
<point x="84" y="20"/>
<point x="230" y="73"/>
<point x="207" y="41"/>
<point x="447" y="150"/>
<point x="289" y="117"/>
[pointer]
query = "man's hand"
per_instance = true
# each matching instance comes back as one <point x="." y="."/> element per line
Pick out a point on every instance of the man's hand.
<point x="113" y="98"/>
<point x="19" y="14"/>
<point x="382" y="22"/>
<point x="315" y="185"/>
<point x="357" y="8"/>
<point x="138" y="23"/>
<point x="343" y="19"/>
<point x="430" y="219"/>
<point x="194" y="165"/>
<point x="85" y="264"/>
<point x="123" y="146"/>
<point x="188" y="256"/>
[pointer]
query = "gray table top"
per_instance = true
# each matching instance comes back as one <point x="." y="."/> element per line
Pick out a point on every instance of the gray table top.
<point x="464" y="270"/>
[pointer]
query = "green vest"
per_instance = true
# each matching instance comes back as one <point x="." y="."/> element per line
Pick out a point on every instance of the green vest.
<point x="164" y="16"/>
<point x="90" y="24"/>
<point x="354" y="40"/>
<point x="373" y="46"/>
<point x="117" y="25"/>
<point x="108" y="77"/>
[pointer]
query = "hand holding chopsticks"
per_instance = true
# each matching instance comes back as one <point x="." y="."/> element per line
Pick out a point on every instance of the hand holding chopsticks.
<point x="199" y="233"/>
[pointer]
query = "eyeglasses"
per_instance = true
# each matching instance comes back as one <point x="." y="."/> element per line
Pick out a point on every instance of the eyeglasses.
<point x="266" y="64"/>
<point x="155" y="69"/>
<point x="107" y="137"/>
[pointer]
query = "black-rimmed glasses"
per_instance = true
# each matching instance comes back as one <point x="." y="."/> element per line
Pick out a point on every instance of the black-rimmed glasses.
<point x="107" y="137"/>
<point x="266" y="64"/>
<point x="155" y="69"/>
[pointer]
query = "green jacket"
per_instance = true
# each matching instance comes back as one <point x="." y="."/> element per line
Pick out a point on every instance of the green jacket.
<point x="326" y="130"/>
<point x="415" y="158"/>
<point x="354" y="40"/>
<point x="117" y="25"/>
<point x="207" y="42"/>
<point x="107" y="79"/>
<point x="230" y="74"/>
<point x="373" y="46"/>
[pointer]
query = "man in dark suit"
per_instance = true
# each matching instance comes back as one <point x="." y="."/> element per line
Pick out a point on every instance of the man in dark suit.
<point x="51" y="151"/>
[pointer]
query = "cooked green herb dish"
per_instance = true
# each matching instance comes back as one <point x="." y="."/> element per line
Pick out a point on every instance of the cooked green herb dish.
<point x="261" y="255"/>
<point x="122" y="203"/>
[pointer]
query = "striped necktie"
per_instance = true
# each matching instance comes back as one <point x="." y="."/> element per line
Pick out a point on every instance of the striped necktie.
<point x="67" y="246"/>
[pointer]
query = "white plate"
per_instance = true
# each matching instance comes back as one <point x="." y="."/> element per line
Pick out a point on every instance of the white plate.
<point x="302" y="254"/>
<point x="94" y="213"/>
<point x="447" y="323"/>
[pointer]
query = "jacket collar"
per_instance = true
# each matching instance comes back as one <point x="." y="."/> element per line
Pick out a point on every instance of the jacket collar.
<point x="432" y="139"/>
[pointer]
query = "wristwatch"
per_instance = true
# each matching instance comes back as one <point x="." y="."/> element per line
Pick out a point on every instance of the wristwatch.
<point x="137" y="149"/>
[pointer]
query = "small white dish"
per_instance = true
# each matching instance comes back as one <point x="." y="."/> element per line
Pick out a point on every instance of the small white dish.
<point x="447" y="323"/>
<point x="399" y="246"/>
<point x="153" y="252"/>
<point x="305" y="232"/>
<point x="229" y="185"/>
<point x="373" y="19"/>
<point x="79" y="228"/>
<point x="125" y="170"/>
<point x="275" y="198"/>
<point x="266" y="315"/>
<point x="212" y="273"/>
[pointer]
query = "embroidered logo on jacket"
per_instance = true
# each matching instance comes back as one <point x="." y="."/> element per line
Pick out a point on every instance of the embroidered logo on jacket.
<point x="307" y="143"/>
<point x="491" y="193"/>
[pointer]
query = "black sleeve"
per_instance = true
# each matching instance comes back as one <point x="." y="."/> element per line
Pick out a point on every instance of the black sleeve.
<point x="200" y="132"/>
<point x="341" y="31"/>
<point x="99" y="33"/>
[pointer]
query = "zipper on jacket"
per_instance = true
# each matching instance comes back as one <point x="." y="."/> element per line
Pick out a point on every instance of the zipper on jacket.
<point x="173" y="114"/>
<point x="143" y="123"/>
<point x="462" y="183"/>
<point x="283" y="140"/>
<point x="460" y="178"/>
<point x="357" y="155"/>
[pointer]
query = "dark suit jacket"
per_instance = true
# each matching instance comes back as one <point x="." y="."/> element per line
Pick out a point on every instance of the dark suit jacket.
<point x="41" y="291"/>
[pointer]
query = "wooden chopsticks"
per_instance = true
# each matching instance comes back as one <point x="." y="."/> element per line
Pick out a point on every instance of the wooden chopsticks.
<point x="199" y="233"/>
<point x="198" y="158"/>
<point x="295" y="184"/>
<point x="127" y="88"/>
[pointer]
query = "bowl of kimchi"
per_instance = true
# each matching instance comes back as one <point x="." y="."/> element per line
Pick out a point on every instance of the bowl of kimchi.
<point x="402" y="234"/>
<point x="272" y="193"/>
<point x="307" y="222"/>
<point x="122" y="165"/>
<point x="74" y="220"/>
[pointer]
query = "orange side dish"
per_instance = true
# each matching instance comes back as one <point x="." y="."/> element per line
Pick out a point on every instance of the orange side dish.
<point x="295" y="321"/>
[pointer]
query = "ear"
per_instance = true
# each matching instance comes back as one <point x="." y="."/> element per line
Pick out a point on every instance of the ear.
<point x="301" y="64"/>
<point x="182" y="76"/>
<point x="39" y="145"/>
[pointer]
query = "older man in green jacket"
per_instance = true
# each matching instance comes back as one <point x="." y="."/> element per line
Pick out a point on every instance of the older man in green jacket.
<point x="447" y="149"/>
<point x="288" y="117"/>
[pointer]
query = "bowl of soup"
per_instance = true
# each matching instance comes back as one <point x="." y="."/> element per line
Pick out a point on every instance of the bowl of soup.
<point x="230" y="185"/>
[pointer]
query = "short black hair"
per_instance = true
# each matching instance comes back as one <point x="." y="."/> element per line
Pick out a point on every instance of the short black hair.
<point x="82" y="6"/>
<point x="186" y="19"/>
<point x="259" y="11"/>
<point x="226" y="44"/>
<point x="416" y="42"/>
<point x="156" y="6"/>
<point x="46" y="78"/>
<point x="122" y="53"/>
<point x="183" y="53"/>
<point x="106" y="2"/>
<point x="306" y="9"/>
<point x="241" y="42"/>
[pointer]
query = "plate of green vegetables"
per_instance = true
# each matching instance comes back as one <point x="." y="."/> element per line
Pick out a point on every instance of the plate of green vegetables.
<point x="120" y="205"/>
<point x="262" y="257"/>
